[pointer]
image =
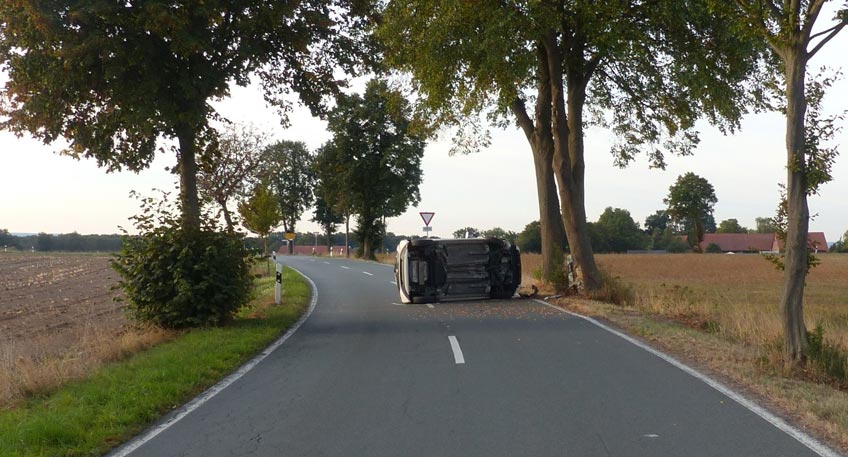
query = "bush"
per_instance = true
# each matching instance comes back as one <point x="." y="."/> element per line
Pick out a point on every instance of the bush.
<point x="828" y="358"/>
<point x="177" y="278"/>
<point x="714" y="249"/>
<point x="677" y="246"/>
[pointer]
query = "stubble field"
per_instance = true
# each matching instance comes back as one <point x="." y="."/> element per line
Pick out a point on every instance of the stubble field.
<point x="59" y="321"/>
<point x="736" y="296"/>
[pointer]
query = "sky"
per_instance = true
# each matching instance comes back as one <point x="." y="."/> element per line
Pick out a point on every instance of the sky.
<point x="41" y="191"/>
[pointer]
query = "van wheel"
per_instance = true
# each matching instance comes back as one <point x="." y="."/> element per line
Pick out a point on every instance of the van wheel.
<point x="420" y="300"/>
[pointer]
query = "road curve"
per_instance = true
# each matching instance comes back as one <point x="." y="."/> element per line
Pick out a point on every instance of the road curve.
<point x="365" y="376"/>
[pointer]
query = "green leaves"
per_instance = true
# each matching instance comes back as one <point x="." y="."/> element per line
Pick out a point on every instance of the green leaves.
<point x="179" y="278"/>
<point x="372" y="166"/>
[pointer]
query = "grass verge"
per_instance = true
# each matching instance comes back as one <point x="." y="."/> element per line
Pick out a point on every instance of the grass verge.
<point x="818" y="408"/>
<point x="120" y="400"/>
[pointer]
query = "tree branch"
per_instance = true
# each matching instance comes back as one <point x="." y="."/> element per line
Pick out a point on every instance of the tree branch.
<point x="524" y="120"/>
<point x="833" y="33"/>
<point x="812" y="14"/>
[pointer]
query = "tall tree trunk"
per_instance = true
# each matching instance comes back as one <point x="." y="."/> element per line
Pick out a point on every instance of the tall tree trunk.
<point x="792" y="303"/>
<point x="188" y="178"/>
<point x="265" y="257"/>
<point x="569" y="166"/>
<point x="329" y="240"/>
<point x="347" y="234"/>
<point x="291" y="247"/>
<point x="538" y="134"/>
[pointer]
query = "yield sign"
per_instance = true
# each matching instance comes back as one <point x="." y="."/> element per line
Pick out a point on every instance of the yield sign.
<point x="427" y="217"/>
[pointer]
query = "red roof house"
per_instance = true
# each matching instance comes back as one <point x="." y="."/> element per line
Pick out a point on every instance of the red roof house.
<point x="757" y="242"/>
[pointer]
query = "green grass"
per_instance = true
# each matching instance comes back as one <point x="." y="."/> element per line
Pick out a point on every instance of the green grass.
<point x="120" y="400"/>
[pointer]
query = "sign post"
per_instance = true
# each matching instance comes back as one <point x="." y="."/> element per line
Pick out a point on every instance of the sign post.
<point x="427" y="216"/>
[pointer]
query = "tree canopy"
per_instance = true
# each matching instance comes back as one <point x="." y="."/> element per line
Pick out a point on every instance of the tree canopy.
<point x="114" y="77"/>
<point x="616" y="231"/>
<point x="232" y="166"/>
<point x="373" y="162"/>
<point x="690" y="201"/>
<point x="731" y="226"/>
<point x="645" y="70"/>
<point x="260" y="212"/>
<point x="288" y="170"/>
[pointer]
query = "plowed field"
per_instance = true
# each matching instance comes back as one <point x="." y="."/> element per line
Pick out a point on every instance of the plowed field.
<point x="48" y="302"/>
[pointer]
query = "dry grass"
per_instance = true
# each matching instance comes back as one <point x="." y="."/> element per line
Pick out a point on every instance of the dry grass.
<point x="737" y="296"/>
<point x="728" y="306"/>
<point x="39" y="366"/>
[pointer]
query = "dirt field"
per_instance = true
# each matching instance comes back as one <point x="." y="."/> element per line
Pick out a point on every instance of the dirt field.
<point x="58" y="321"/>
<point x="54" y="296"/>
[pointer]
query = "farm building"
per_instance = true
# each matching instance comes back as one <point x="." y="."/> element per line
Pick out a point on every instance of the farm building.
<point x="757" y="242"/>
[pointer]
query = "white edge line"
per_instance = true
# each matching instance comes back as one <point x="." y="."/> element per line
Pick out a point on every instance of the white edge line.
<point x="195" y="403"/>
<point x="346" y="268"/>
<point x="813" y="444"/>
<point x="369" y="274"/>
<point x="393" y="282"/>
<point x="457" y="352"/>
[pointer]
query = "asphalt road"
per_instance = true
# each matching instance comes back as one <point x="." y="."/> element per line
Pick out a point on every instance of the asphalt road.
<point x="365" y="376"/>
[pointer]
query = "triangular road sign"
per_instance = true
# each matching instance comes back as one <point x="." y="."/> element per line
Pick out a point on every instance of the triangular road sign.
<point x="427" y="216"/>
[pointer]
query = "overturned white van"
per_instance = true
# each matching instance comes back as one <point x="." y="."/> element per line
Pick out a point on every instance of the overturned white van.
<point x="432" y="270"/>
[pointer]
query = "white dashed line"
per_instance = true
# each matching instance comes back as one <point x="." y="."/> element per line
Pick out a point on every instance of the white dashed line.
<point x="327" y="263"/>
<point x="393" y="282"/>
<point x="346" y="268"/>
<point x="398" y="304"/>
<point x="430" y="306"/>
<point x="457" y="352"/>
<point x="369" y="274"/>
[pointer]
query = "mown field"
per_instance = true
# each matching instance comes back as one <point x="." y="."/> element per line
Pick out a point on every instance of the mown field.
<point x="737" y="296"/>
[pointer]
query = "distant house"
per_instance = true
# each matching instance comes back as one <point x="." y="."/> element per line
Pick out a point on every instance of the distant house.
<point x="757" y="242"/>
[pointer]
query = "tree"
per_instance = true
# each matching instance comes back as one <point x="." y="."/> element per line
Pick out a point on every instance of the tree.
<point x="658" y="221"/>
<point x="731" y="226"/>
<point x="289" y="172"/>
<point x="841" y="245"/>
<point x="691" y="200"/>
<point x="530" y="239"/>
<point x="333" y="176"/>
<point x="326" y="217"/>
<point x="114" y="77"/>
<point x="766" y="225"/>
<point x="7" y="240"/>
<point x="232" y="166"/>
<point x="787" y="30"/>
<point x="377" y="158"/>
<point x="616" y="231"/>
<point x="500" y="233"/>
<point x="645" y="64"/>
<point x="260" y="213"/>
<point x="469" y="232"/>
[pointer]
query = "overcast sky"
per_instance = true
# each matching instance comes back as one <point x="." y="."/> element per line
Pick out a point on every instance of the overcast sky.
<point x="41" y="191"/>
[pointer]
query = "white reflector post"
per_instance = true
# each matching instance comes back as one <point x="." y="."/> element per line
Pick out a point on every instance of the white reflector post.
<point x="278" y="286"/>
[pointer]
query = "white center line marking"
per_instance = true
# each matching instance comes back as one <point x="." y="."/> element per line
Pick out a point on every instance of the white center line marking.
<point x="457" y="352"/>
<point x="398" y="304"/>
<point x="369" y="274"/>
<point x="430" y="306"/>
<point x="327" y="263"/>
<point x="393" y="282"/>
<point x="346" y="268"/>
